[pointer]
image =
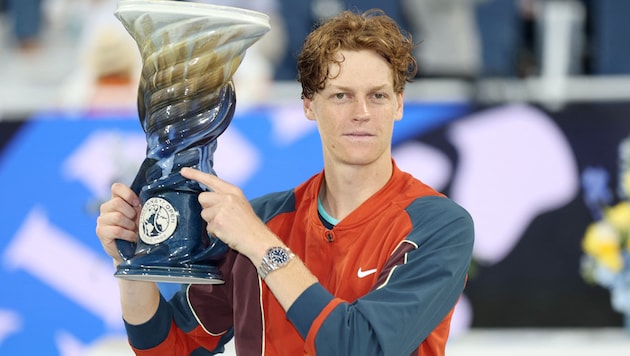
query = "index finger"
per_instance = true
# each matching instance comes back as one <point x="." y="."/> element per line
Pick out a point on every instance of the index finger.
<point x="210" y="180"/>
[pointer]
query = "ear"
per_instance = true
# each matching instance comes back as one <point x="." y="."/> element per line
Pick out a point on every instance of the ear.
<point x="308" y="108"/>
<point x="399" y="106"/>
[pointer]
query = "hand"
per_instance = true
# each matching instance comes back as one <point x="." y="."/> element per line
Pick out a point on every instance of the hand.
<point x="118" y="219"/>
<point x="229" y="216"/>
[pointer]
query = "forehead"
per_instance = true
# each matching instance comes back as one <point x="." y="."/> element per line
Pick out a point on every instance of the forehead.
<point x="364" y="67"/>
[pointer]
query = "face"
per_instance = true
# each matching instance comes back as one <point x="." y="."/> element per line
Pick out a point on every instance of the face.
<point x="355" y="112"/>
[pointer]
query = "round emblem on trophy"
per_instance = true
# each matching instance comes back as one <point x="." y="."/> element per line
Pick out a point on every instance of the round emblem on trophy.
<point x="158" y="220"/>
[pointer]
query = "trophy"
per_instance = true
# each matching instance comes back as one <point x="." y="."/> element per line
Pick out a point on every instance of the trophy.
<point x="186" y="99"/>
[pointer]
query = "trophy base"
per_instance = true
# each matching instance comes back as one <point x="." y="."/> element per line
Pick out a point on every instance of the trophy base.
<point x="181" y="275"/>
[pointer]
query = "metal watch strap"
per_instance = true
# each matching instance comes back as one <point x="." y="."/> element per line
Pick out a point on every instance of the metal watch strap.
<point x="275" y="258"/>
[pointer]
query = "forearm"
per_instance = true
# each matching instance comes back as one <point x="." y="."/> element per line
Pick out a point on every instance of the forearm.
<point x="286" y="283"/>
<point x="139" y="300"/>
<point x="289" y="282"/>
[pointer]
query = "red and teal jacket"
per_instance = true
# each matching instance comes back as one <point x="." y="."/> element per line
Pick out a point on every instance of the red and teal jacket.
<point x="390" y="274"/>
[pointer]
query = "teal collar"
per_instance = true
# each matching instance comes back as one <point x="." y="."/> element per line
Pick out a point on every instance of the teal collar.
<point x="324" y="214"/>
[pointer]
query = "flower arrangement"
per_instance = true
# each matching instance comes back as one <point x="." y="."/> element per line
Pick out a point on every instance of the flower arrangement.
<point x="606" y="241"/>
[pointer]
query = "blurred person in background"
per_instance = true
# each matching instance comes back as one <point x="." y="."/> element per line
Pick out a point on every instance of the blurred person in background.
<point x="27" y="18"/>
<point x="449" y="35"/>
<point x="524" y="38"/>
<point x="298" y="19"/>
<point x="609" y="36"/>
<point x="502" y="33"/>
<point x="108" y="71"/>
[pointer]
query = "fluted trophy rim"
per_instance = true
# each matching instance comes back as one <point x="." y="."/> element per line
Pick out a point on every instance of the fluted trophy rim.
<point x="193" y="8"/>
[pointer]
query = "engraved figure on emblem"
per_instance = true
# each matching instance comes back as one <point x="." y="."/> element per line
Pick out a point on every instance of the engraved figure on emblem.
<point x="186" y="100"/>
<point x="158" y="221"/>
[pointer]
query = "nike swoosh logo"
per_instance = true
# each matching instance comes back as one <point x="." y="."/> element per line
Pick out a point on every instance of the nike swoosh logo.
<point x="362" y="274"/>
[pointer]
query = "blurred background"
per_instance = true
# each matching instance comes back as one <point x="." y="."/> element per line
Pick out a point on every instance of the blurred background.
<point x="520" y="112"/>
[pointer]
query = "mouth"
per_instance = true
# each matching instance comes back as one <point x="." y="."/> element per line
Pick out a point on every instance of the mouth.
<point x="358" y="134"/>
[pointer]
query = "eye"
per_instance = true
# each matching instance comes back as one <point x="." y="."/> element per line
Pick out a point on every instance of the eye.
<point x="379" y="96"/>
<point x="340" y="95"/>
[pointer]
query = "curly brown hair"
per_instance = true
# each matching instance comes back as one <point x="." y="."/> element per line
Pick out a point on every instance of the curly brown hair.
<point x="372" y="30"/>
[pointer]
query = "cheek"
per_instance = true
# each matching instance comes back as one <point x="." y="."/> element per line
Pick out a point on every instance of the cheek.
<point x="327" y="119"/>
<point x="325" y="128"/>
<point x="327" y="132"/>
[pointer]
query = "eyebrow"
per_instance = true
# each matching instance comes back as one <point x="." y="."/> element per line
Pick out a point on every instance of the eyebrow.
<point x="348" y="89"/>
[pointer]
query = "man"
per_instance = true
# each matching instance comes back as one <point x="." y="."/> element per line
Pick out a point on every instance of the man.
<point x="361" y="259"/>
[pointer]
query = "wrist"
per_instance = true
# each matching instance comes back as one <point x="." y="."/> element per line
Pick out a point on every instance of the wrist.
<point x="275" y="257"/>
<point x="256" y="248"/>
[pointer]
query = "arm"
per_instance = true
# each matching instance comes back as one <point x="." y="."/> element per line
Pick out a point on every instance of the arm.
<point x="231" y="218"/>
<point x="154" y="326"/>
<point x="175" y="330"/>
<point x="118" y="219"/>
<point x="417" y="289"/>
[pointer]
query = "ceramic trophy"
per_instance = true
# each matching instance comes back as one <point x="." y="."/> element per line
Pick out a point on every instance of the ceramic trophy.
<point x="186" y="99"/>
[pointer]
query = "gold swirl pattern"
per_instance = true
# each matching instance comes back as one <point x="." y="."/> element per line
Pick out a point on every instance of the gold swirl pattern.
<point x="190" y="52"/>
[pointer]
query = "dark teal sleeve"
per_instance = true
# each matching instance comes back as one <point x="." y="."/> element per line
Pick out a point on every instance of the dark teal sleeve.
<point x="154" y="331"/>
<point x="307" y="307"/>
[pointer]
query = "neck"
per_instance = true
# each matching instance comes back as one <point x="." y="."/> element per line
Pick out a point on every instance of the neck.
<point x="346" y="187"/>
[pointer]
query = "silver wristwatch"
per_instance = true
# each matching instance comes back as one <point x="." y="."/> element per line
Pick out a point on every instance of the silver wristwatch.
<point x="274" y="258"/>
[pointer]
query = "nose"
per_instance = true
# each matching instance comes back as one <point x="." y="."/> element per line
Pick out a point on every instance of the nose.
<point x="361" y="109"/>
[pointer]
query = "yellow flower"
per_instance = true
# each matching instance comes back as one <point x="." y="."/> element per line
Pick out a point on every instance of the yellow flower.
<point x="601" y="241"/>
<point x="619" y="216"/>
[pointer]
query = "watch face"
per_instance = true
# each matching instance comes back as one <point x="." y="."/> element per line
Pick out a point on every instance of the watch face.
<point x="278" y="256"/>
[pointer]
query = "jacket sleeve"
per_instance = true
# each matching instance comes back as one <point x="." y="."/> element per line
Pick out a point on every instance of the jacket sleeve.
<point x="175" y="328"/>
<point x="417" y="289"/>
